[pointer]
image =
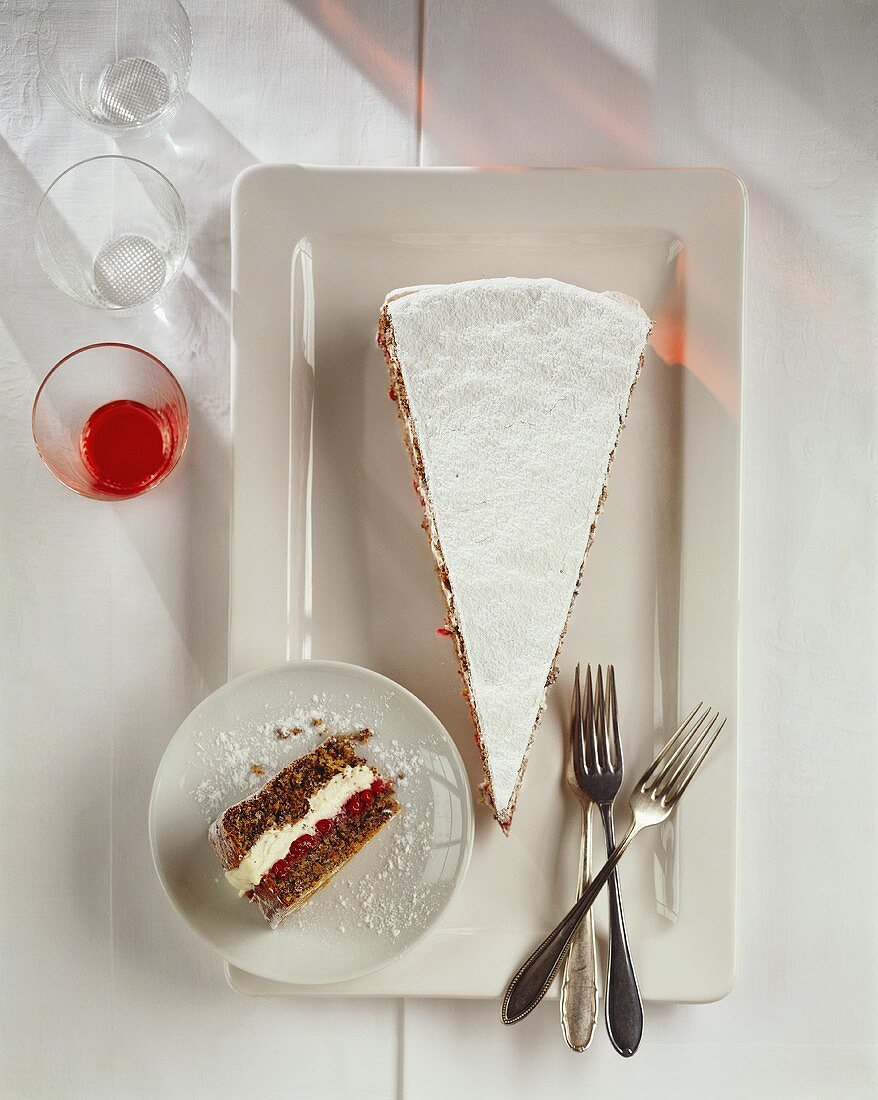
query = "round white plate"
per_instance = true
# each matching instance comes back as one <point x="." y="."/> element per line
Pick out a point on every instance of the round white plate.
<point x="391" y="893"/>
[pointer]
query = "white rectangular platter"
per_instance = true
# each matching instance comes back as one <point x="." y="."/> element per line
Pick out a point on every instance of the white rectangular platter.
<point x="329" y="559"/>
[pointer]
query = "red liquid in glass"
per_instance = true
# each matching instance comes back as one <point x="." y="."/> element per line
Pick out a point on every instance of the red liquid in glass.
<point x="126" y="446"/>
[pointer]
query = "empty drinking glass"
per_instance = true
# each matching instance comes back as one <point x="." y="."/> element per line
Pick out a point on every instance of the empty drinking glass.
<point x="119" y="66"/>
<point x="111" y="232"/>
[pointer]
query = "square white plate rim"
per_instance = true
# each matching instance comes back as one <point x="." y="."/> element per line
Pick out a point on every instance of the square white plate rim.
<point x="268" y="196"/>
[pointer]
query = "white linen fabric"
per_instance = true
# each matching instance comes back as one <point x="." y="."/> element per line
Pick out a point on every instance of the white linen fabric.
<point x="113" y="618"/>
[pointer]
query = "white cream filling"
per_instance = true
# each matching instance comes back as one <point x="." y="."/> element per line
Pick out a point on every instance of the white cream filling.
<point x="274" y="844"/>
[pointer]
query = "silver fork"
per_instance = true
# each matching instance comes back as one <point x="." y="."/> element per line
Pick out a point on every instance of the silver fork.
<point x="578" y="982"/>
<point x="599" y="772"/>
<point x="656" y="794"/>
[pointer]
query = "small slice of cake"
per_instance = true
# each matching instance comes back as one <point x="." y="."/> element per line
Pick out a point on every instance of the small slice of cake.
<point x="285" y="842"/>
<point x="512" y="393"/>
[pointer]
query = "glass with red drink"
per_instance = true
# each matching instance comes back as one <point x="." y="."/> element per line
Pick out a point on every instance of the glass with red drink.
<point x="110" y="421"/>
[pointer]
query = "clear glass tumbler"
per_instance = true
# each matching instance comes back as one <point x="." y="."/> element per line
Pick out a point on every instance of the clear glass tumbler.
<point x="121" y="66"/>
<point x="111" y="232"/>
<point x="110" y="421"/>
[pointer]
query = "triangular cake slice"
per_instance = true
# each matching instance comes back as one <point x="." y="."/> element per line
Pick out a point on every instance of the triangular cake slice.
<point x="512" y="393"/>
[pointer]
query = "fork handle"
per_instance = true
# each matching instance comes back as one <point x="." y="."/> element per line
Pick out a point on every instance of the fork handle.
<point x="579" y="993"/>
<point x="534" y="976"/>
<point x="624" y="1009"/>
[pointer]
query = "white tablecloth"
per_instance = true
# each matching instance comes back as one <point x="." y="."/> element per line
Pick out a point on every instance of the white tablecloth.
<point x="113" y="617"/>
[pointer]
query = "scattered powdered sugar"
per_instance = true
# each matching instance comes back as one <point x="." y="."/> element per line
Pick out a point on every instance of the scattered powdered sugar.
<point x="379" y="904"/>
<point x="394" y="884"/>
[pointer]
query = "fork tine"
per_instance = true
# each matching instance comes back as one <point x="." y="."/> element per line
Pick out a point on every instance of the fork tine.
<point x="613" y="718"/>
<point x="673" y="759"/>
<point x="677" y="794"/>
<point x="588" y="724"/>
<point x="668" y="778"/>
<point x="668" y="751"/>
<point x="576" y="713"/>
<point x="600" y="732"/>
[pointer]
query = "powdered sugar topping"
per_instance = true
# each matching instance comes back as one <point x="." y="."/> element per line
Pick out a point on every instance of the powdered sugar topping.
<point x="515" y="390"/>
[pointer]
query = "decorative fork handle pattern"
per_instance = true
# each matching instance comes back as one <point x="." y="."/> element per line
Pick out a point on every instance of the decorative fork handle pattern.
<point x="624" y="1009"/>
<point x="579" y="994"/>
<point x="534" y="977"/>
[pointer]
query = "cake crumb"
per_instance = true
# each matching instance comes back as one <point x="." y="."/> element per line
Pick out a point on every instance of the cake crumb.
<point x="282" y="734"/>
<point x="257" y="769"/>
<point x="316" y="721"/>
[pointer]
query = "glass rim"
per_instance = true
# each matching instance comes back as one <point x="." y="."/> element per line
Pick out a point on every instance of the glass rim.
<point x="114" y="156"/>
<point x="107" y="127"/>
<point x="128" y="347"/>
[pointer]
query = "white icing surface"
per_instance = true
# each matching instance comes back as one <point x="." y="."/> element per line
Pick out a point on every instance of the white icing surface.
<point x="274" y="844"/>
<point x="517" y="388"/>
